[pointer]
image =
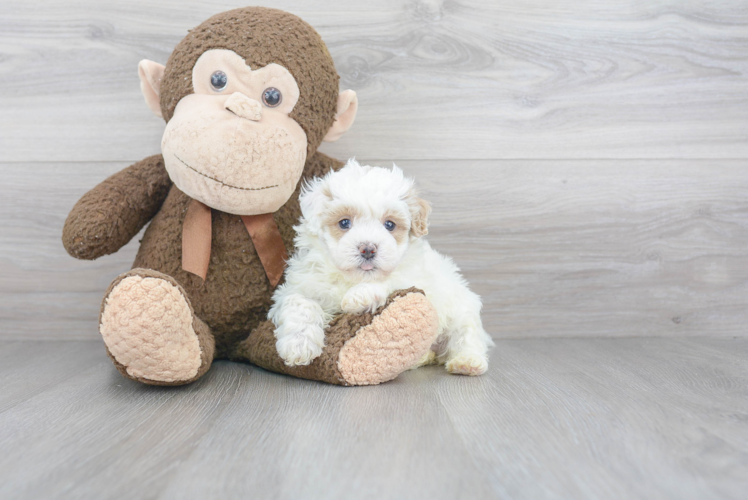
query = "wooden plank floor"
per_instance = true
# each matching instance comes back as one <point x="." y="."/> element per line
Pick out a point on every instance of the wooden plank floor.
<point x="553" y="418"/>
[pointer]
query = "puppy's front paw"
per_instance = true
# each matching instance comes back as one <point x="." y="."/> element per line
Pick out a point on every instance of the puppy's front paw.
<point x="298" y="349"/>
<point x="467" y="364"/>
<point x="363" y="298"/>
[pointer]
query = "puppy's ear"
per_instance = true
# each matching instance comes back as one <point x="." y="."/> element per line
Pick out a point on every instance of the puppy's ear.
<point x="420" y="210"/>
<point x="314" y="197"/>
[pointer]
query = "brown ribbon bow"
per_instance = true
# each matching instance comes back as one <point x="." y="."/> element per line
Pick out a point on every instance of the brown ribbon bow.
<point x="197" y="234"/>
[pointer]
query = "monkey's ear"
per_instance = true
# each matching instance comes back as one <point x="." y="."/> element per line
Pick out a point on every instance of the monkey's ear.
<point x="150" y="74"/>
<point x="346" y="113"/>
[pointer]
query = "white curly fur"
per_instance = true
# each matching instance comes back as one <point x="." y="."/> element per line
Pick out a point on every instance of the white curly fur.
<point x="328" y="274"/>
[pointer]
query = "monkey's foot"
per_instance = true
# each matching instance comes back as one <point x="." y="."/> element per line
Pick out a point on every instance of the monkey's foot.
<point x="398" y="337"/>
<point x="151" y="332"/>
<point x="360" y="349"/>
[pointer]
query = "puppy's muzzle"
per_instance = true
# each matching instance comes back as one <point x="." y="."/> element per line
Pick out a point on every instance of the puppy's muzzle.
<point x="368" y="251"/>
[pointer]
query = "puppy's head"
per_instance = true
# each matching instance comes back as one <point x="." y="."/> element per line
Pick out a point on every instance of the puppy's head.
<point x="365" y="217"/>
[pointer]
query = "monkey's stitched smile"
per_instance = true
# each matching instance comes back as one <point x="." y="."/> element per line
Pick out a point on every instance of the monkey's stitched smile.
<point x="221" y="182"/>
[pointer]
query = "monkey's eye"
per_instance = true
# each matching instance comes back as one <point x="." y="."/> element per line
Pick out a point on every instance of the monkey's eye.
<point x="389" y="225"/>
<point x="271" y="97"/>
<point x="218" y="80"/>
<point x="345" y="224"/>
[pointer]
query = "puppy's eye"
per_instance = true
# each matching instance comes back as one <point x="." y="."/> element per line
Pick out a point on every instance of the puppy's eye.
<point x="218" y="80"/>
<point x="389" y="225"/>
<point x="272" y="97"/>
<point x="345" y="224"/>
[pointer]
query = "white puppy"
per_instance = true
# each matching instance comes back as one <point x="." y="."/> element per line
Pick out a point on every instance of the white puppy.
<point x="360" y="238"/>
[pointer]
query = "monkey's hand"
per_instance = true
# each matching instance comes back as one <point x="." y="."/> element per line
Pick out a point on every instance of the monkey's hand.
<point x="364" y="297"/>
<point x="112" y="213"/>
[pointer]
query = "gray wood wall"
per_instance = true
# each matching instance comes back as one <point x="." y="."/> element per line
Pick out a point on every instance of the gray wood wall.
<point x="587" y="161"/>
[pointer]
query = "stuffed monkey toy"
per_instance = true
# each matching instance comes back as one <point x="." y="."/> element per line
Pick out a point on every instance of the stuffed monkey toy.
<point x="247" y="96"/>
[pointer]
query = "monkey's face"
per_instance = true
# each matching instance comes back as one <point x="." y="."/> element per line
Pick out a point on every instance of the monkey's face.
<point x="243" y="115"/>
<point x="231" y="144"/>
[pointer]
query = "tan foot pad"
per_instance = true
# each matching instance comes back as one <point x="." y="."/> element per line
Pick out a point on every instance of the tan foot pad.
<point x="394" y="341"/>
<point x="147" y="326"/>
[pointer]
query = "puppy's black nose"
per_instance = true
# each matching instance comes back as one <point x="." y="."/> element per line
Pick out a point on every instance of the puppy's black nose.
<point x="368" y="251"/>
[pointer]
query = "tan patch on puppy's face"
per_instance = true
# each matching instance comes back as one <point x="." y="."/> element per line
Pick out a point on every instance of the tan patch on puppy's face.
<point x="333" y="217"/>
<point x="402" y="226"/>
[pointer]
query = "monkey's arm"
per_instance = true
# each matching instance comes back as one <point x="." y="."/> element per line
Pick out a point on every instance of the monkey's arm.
<point x="109" y="215"/>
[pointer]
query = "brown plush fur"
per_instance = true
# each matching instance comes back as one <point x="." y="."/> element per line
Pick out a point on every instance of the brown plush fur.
<point x="232" y="303"/>
<point x="112" y="213"/>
